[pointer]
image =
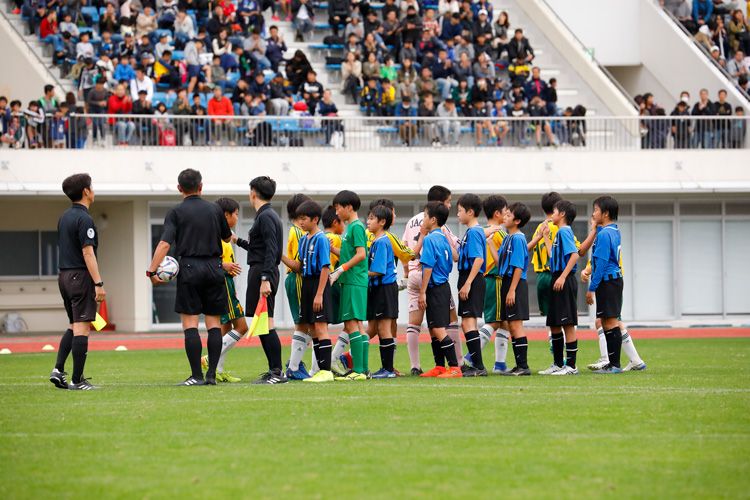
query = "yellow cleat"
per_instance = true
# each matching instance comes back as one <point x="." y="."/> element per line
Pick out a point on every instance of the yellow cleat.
<point x="226" y="377"/>
<point x="321" y="376"/>
<point x="204" y="363"/>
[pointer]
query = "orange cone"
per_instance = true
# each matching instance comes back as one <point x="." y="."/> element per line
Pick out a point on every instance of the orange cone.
<point x="105" y="316"/>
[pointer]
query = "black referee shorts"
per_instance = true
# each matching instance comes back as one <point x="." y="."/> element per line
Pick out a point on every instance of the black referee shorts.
<point x="439" y="306"/>
<point x="520" y="310"/>
<point x="473" y="306"/>
<point x="307" y="314"/>
<point x="382" y="302"/>
<point x="252" y="294"/>
<point x="78" y="294"/>
<point x="609" y="299"/>
<point x="200" y="287"/>
<point x="563" y="305"/>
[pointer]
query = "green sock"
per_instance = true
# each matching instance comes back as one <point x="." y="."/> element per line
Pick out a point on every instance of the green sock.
<point x="355" y="347"/>
<point x="365" y="340"/>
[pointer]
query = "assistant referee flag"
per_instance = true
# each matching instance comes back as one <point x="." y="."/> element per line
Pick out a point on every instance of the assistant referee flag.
<point x="259" y="325"/>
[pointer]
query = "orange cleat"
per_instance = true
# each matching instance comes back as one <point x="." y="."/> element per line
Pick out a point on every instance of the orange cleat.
<point x="435" y="372"/>
<point x="452" y="372"/>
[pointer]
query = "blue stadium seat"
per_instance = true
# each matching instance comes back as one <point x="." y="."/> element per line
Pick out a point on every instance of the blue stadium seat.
<point x="322" y="26"/>
<point x="323" y="46"/>
<point x="178" y="55"/>
<point x="159" y="97"/>
<point x="91" y="13"/>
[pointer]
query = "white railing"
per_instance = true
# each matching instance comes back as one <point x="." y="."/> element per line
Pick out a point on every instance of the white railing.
<point x="90" y="131"/>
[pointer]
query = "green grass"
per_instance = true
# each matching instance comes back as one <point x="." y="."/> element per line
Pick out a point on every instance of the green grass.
<point x="681" y="429"/>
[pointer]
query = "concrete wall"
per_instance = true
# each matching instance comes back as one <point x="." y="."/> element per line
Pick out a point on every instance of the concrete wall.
<point x="639" y="80"/>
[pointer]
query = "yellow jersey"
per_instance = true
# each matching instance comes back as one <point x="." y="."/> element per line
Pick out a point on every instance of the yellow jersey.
<point x="400" y="250"/>
<point x="497" y="240"/>
<point x="335" y="241"/>
<point x="227" y="252"/>
<point x="539" y="255"/>
<point x="292" y="244"/>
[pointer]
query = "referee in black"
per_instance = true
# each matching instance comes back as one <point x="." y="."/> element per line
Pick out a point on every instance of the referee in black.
<point x="196" y="228"/>
<point x="263" y="258"/>
<point x="80" y="283"/>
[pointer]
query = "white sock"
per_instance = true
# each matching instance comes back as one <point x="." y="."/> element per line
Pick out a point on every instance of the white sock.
<point x="501" y="345"/>
<point x="314" y="368"/>
<point x="341" y="346"/>
<point x="227" y="342"/>
<point x="412" y="344"/>
<point x="629" y="348"/>
<point x="603" y="353"/>
<point x="299" y="346"/>
<point x="455" y="334"/>
<point x="485" y="334"/>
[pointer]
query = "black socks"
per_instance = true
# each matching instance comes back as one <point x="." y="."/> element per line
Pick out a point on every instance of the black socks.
<point x="520" y="350"/>
<point x="558" y="344"/>
<point x="66" y="344"/>
<point x="272" y="348"/>
<point x="571" y="350"/>
<point x="214" y="345"/>
<point x="449" y="351"/>
<point x="80" y="346"/>
<point x="614" y="345"/>
<point x="193" y="350"/>
<point x="475" y="348"/>
<point x="437" y="352"/>
<point x="387" y="350"/>
<point x="323" y="354"/>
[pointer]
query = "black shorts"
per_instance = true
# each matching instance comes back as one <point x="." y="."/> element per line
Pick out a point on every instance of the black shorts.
<point x="520" y="310"/>
<point x="200" y="287"/>
<point x="439" y="306"/>
<point x="609" y="299"/>
<point x="78" y="294"/>
<point x="563" y="305"/>
<point x="252" y="294"/>
<point x="473" y="307"/>
<point x="306" y="313"/>
<point x="382" y="302"/>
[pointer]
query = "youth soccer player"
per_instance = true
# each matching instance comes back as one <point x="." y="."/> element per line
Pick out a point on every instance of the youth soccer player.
<point x="514" y="293"/>
<point x="472" y="258"/>
<point x="606" y="278"/>
<point x="435" y="293"/>
<point x="313" y="264"/>
<point x="293" y="286"/>
<point x="563" y="310"/>
<point x="540" y="253"/>
<point x="233" y="323"/>
<point x="382" y="293"/>
<point x="352" y="274"/>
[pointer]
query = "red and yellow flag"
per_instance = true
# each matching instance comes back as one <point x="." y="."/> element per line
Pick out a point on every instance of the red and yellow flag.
<point x="259" y="325"/>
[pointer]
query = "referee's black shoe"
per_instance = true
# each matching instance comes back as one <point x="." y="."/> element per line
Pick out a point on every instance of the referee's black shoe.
<point x="59" y="379"/>
<point x="470" y="371"/>
<point x="83" y="385"/>
<point x="210" y="380"/>
<point x="272" y="377"/>
<point x="517" y="372"/>
<point x="191" y="381"/>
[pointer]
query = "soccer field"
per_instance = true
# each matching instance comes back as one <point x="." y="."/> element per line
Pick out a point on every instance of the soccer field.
<point x="680" y="429"/>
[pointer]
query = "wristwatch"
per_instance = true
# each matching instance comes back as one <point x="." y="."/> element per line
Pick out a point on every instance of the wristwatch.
<point x="264" y="278"/>
<point x="150" y="274"/>
<point x="99" y="285"/>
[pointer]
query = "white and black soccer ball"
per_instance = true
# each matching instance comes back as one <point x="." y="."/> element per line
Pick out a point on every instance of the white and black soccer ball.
<point x="168" y="269"/>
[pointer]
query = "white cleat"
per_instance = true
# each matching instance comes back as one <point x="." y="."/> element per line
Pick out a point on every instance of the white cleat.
<point x="566" y="370"/>
<point x="635" y="367"/>
<point x="551" y="370"/>
<point x="599" y="364"/>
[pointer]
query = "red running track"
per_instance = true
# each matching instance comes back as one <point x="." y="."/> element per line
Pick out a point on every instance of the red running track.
<point x="144" y="341"/>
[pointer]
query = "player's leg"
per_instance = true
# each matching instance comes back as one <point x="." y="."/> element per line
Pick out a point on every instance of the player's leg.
<point x="387" y="349"/>
<point x="58" y="375"/>
<point x="558" y="351"/>
<point x="635" y="363"/>
<point x="603" y="356"/>
<point x="520" y="349"/>
<point x="608" y="307"/>
<point x="416" y="317"/>
<point x="322" y="350"/>
<point x="502" y="338"/>
<point x="300" y="337"/>
<point x="519" y="341"/>
<point x="471" y="309"/>
<point x="213" y="346"/>
<point x="270" y="342"/>
<point x="454" y="332"/>
<point x="232" y="332"/>
<point x="448" y="349"/>
<point x="555" y="314"/>
<point x="193" y="348"/>
<point x="571" y="349"/>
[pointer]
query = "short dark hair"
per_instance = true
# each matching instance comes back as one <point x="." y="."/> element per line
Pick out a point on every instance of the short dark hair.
<point x="549" y="200"/>
<point x="383" y="201"/>
<point x="264" y="187"/>
<point x="472" y="202"/>
<point x="309" y="208"/>
<point x="492" y="204"/>
<point x="74" y="185"/>
<point x="48" y="87"/>
<point x="294" y="202"/>
<point x="438" y="193"/>
<point x="381" y="212"/>
<point x="520" y="212"/>
<point x="329" y="217"/>
<point x="609" y="205"/>
<point x="228" y="205"/>
<point x="568" y="208"/>
<point x="438" y="210"/>
<point x="347" y="198"/>
<point x="189" y="180"/>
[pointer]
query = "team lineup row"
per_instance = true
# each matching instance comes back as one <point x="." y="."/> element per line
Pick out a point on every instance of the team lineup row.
<point x="347" y="273"/>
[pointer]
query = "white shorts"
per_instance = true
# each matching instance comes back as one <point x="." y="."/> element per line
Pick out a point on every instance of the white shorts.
<point x="413" y="286"/>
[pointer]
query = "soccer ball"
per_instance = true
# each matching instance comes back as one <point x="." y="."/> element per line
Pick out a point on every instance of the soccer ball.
<point x="168" y="269"/>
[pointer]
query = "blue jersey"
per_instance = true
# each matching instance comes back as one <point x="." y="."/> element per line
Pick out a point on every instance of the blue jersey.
<point x="382" y="261"/>
<point x="605" y="261"/>
<point x="315" y="252"/>
<point x="437" y="255"/>
<point x="514" y="254"/>
<point x="562" y="248"/>
<point x="473" y="245"/>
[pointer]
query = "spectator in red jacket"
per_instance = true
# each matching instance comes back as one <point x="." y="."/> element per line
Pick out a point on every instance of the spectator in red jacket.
<point x="48" y="31"/>
<point x="220" y="105"/>
<point x="120" y="103"/>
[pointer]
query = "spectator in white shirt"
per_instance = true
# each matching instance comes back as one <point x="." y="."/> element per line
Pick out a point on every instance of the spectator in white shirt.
<point x="141" y="82"/>
<point x="184" y="29"/>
